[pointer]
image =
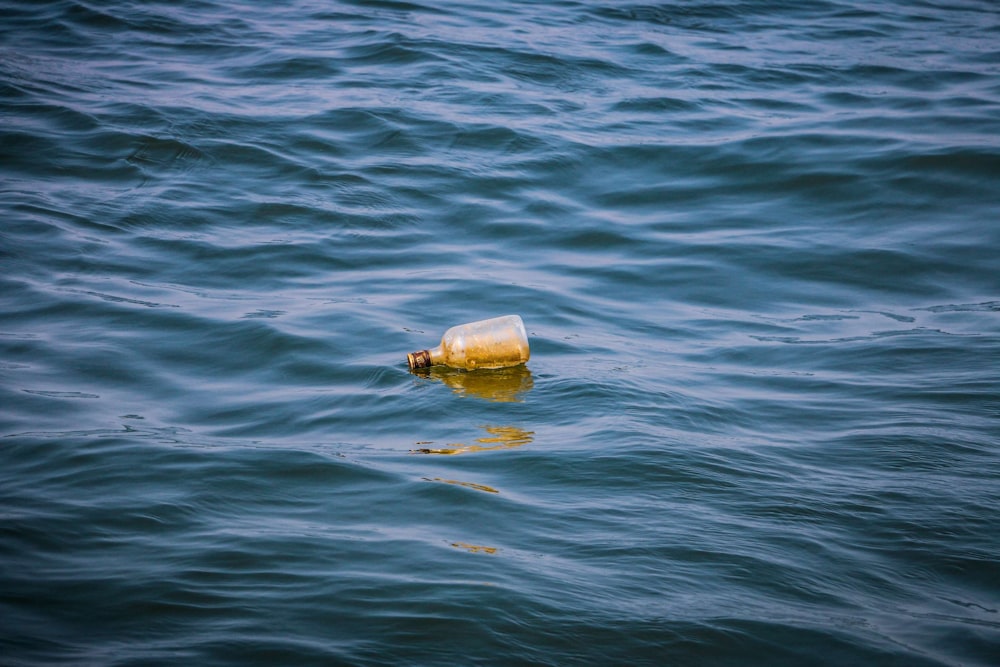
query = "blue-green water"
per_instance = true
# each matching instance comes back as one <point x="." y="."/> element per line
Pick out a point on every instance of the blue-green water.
<point x="756" y="248"/>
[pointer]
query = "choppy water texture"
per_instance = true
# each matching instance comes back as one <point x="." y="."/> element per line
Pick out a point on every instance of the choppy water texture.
<point x="755" y="245"/>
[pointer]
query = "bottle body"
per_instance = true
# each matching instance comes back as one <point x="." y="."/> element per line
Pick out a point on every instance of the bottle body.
<point x="495" y="343"/>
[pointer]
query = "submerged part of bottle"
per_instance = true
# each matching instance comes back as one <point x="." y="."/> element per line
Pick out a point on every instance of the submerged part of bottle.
<point x="497" y="385"/>
<point x="496" y="343"/>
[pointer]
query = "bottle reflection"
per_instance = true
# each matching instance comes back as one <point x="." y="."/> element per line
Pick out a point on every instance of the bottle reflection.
<point x="501" y="385"/>
<point x="498" y="437"/>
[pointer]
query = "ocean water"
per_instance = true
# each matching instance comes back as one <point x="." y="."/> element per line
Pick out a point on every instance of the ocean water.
<point x="756" y="246"/>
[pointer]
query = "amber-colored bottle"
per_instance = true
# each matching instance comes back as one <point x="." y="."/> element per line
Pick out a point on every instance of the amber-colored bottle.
<point x="494" y="343"/>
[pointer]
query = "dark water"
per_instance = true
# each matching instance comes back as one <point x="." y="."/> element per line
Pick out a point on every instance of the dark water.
<point x="756" y="248"/>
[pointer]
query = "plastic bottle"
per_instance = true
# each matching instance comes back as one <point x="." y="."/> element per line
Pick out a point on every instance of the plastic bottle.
<point x="494" y="343"/>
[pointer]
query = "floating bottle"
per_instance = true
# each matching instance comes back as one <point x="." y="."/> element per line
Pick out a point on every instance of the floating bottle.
<point x="496" y="343"/>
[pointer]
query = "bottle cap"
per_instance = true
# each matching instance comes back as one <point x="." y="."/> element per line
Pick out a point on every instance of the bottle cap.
<point x="421" y="359"/>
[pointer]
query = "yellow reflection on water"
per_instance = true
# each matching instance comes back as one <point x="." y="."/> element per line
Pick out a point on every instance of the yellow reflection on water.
<point x="499" y="437"/>
<point x="499" y="385"/>
<point x="474" y="548"/>
<point x="470" y="485"/>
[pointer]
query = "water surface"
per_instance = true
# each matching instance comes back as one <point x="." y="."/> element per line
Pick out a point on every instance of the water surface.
<point x="755" y="247"/>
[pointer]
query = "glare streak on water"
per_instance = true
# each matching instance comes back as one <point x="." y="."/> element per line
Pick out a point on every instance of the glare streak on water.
<point x="755" y="248"/>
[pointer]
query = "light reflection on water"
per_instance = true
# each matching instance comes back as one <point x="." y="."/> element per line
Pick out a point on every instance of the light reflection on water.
<point x="499" y="437"/>
<point x="469" y="485"/>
